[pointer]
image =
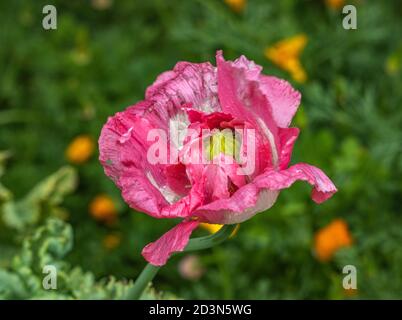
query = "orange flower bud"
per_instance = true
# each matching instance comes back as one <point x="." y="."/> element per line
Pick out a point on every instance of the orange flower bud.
<point x="335" y="4"/>
<point x="331" y="238"/>
<point x="102" y="208"/>
<point x="350" y="292"/>
<point x="111" y="241"/>
<point x="285" y="54"/>
<point x="236" y="5"/>
<point x="80" y="149"/>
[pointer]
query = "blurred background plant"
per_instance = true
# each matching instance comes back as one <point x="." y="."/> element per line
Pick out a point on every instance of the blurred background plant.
<point x="58" y="88"/>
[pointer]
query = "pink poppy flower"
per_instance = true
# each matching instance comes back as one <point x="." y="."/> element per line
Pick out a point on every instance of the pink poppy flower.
<point x="231" y="97"/>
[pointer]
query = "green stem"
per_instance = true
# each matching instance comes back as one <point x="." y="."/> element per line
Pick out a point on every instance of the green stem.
<point x="150" y="271"/>
<point x="147" y="274"/>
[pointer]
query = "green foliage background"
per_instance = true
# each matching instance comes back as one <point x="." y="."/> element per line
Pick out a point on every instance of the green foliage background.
<point x="58" y="84"/>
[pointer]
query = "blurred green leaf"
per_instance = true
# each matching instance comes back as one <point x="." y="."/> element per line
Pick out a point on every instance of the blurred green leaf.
<point x="44" y="197"/>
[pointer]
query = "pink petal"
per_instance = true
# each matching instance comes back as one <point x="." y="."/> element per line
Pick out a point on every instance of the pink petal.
<point x="219" y="175"/>
<point x="231" y="168"/>
<point x="241" y="206"/>
<point x="123" y="156"/>
<point x="240" y="95"/>
<point x="261" y="194"/>
<point x="177" y="178"/>
<point x="283" y="98"/>
<point x="185" y="206"/>
<point x="192" y="84"/>
<point x="216" y="183"/>
<point x="287" y="137"/>
<point x="252" y="69"/>
<point x="175" y="240"/>
<point x="211" y="120"/>
<point x="123" y="153"/>
<point x="277" y="180"/>
<point x="140" y="194"/>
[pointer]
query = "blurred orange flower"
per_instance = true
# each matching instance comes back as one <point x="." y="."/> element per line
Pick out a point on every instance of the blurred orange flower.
<point x="285" y="54"/>
<point x="111" y="241"/>
<point x="236" y="5"/>
<point x="101" y="4"/>
<point x="102" y="208"/>
<point x="335" y="4"/>
<point x="331" y="238"/>
<point x="350" y="292"/>
<point x="80" y="149"/>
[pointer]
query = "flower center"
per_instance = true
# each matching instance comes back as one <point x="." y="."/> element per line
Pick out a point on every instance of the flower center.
<point x="222" y="141"/>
